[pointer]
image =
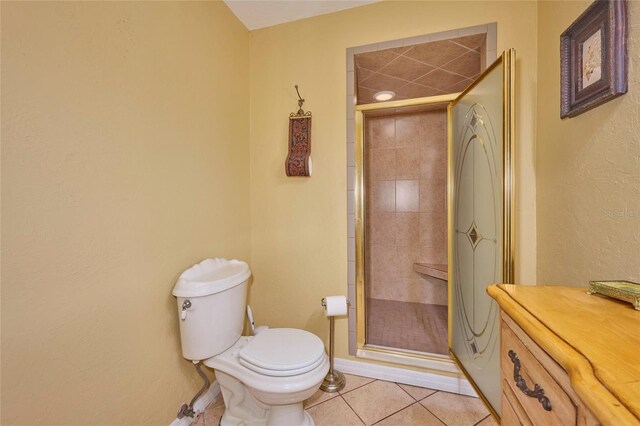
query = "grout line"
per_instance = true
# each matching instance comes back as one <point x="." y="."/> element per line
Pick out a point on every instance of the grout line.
<point x="433" y="414"/>
<point x="351" y="408"/>
<point x="482" y="420"/>
<point x="410" y="48"/>
<point x="429" y="396"/>
<point x="436" y="67"/>
<point x="467" y="47"/>
<point x="423" y="75"/>
<point x="414" y="398"/>
<point x="394" y="413"/>
<point x="322" y="402"/>
<point x="427" y="408"/>
<point x="455" y="59"/>
<point x="389" y="63"/>
<point x="351" y="390"/>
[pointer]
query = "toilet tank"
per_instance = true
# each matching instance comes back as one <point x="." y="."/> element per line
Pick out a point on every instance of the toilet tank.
<point x="211" y="299"/>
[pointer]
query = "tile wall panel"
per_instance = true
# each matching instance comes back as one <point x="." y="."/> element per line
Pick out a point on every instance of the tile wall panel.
<point x="406" y="220"/>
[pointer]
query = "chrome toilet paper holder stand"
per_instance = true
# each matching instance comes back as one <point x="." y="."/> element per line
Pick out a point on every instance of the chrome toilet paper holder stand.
<point x="334" y="381"/>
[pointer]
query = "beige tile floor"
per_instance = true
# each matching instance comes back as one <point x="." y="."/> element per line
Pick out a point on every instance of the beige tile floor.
<point x="366" y="401"/>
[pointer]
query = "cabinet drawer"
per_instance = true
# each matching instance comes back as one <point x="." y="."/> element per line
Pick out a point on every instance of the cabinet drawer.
<point x="512" y="412"/>
<point x="516" y="358"/>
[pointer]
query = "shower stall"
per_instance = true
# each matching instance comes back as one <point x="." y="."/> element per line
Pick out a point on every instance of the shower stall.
<point x="403" y="171"/>
<point x="433" y="213"/>
<point x="405" y="179"/>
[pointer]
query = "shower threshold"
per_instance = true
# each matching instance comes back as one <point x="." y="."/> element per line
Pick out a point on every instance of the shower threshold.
<point x="435" y="362"/>
<point x="408" y="351"/>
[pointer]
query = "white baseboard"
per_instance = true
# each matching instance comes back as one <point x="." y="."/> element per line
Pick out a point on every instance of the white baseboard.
<point x="458" y="385"/>
<point x="200" y="405"/>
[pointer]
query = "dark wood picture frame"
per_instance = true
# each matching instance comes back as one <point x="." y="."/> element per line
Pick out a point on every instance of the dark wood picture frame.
<point x="593" y="57"/>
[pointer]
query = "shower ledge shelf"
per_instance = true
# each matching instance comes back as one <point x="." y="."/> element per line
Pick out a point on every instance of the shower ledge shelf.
<point x="435" y="270"/>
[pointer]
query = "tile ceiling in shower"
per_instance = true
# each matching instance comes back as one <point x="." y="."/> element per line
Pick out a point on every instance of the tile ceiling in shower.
<point x="427" y="69"/>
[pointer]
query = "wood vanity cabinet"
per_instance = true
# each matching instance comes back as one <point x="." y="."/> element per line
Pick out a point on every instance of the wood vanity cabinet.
<point x="567" y="358"/>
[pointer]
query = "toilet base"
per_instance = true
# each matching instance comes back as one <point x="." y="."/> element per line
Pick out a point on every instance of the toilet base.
<point x="244" y="409"/>
<point x="292" y="414"/>
<point x="287" y="415"/>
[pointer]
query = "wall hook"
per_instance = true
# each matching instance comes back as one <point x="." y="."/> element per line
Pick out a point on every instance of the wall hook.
<point x="300" y="100"/>
<point x="300" y="112"/>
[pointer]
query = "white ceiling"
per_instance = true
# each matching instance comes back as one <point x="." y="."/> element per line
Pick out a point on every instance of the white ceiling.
<point x="256" y="14"/>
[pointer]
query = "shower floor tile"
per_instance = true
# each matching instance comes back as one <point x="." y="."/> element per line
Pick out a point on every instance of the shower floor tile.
<point x="407" y="325"/>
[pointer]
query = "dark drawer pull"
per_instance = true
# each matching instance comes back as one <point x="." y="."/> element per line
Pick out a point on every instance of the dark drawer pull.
<point x="537" y="392"/>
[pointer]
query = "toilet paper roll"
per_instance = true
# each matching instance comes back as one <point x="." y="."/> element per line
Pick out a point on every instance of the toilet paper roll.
<point x="335" y="305"/>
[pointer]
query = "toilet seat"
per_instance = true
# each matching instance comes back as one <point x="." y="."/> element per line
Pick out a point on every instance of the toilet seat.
<point x="269" y="388"/>
<point x="282" y="352"/>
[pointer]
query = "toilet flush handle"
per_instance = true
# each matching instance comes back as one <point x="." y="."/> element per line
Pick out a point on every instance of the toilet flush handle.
<point x="185" y="305"/>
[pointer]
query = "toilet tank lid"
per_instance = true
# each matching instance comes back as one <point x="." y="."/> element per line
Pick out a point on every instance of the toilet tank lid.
<point x="211" y="276"/>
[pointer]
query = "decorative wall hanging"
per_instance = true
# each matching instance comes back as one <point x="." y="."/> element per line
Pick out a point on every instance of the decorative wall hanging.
<point x="593" y="57"/>
<point x="298" y="161"/>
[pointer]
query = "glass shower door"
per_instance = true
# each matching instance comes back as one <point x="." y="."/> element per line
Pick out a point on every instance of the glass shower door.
<point x="480" y="222"/>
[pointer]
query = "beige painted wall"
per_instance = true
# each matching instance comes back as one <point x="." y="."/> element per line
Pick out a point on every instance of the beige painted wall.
<point x="299" y="225"/>
<point x="125" y="147"/>
<point x="117" y="120"/>
<point x="588" y="168"/>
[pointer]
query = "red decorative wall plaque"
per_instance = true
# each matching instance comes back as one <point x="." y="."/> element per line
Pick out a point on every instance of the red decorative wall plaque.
<point x="299" y="157"/>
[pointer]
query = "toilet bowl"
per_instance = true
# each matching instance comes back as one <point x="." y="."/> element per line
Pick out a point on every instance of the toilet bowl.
<point x="264" y="379"/>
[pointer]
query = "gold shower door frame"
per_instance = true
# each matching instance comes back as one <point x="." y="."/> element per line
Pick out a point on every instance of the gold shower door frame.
<point x="507" y="59"/>
<point x="401" y="356"/>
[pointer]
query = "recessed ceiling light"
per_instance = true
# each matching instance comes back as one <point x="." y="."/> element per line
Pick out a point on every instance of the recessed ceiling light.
<point x="384" y="95"/>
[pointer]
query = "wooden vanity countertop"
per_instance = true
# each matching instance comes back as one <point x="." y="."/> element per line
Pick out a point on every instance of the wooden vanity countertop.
<point x="594" y="338"/>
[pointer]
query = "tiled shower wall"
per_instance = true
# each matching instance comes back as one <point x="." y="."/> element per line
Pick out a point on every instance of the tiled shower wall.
<point x="491" y="54"/>
<point x="406" y="219"/>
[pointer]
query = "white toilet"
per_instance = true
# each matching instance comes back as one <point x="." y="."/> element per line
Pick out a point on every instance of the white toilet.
<point x="264" y="378"/>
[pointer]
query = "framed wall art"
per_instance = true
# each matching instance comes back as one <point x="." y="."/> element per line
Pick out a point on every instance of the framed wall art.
<point x="593" y="57"/>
